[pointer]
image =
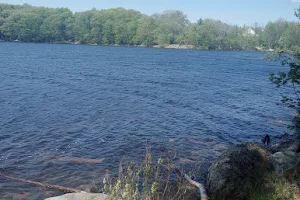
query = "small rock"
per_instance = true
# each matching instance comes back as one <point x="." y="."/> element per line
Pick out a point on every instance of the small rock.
<point x="171" y="140"/>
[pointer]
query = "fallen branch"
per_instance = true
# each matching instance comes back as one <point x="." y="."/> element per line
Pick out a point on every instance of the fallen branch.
<point x="198" y="185"/>
<point x="66" y="189"/>
<point x="201" y="188"/>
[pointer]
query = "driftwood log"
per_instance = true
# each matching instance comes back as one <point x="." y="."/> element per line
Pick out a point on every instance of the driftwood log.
<point x="57" y="187"/>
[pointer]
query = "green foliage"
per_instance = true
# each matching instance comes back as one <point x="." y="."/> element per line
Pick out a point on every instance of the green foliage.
<point x="171" y="23"/>
<point x="54" y="27"/>
<point x="291" y="62"/>
<point x="146" y="31"/>
<point x="291" y="77"/>
<point x="119" y="26"/>
<point x="297" y="12"/>
<point x="272" y="35"/>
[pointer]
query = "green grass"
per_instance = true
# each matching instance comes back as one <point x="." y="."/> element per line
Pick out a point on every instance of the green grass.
<point x="149" y="180"/>
<point x="274" y="187"/>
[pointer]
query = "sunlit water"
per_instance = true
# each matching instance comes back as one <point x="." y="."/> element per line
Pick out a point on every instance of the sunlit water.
<point x="60" y="101"/>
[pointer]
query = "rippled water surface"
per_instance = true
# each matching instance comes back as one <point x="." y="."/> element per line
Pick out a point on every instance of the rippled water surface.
<point x="62" y="102"/>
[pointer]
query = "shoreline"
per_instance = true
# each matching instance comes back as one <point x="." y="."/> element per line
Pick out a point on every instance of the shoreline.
<point x="169" y="46"/>
<point x="284" y="144"/>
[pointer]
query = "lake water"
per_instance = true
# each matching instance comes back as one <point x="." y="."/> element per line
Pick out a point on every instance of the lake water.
<point x="62" y="101"/>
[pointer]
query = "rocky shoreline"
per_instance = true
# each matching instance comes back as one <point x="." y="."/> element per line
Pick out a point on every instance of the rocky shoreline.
<point x="243" y="168"/>
<point x="251" y="169"/>
<point x="241" y="171"/>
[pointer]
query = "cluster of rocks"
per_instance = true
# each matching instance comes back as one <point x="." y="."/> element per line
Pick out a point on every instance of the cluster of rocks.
<point x="233" y="174"/>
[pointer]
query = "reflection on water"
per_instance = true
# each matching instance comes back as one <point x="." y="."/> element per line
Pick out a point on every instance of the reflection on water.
<point x="70" y="112"/>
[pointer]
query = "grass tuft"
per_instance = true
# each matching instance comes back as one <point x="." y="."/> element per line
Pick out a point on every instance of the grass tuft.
<point x="149" y="180"/>
<point x="274" y="187"/>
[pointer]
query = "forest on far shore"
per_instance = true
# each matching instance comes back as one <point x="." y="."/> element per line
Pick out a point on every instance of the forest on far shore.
<point x="119" y="26"/>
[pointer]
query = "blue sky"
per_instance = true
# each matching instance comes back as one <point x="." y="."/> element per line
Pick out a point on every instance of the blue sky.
<point x="230" y="11"/>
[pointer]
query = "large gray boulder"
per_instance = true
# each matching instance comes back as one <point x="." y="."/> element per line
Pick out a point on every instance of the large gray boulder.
<point x="290" y="145"/>
<point x="232" y="175"/>
<point x="81" y="196"/>
<point x="284" y="160"/>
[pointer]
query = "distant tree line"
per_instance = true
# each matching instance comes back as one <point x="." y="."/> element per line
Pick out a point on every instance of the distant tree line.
<point x="119" y="26"/>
